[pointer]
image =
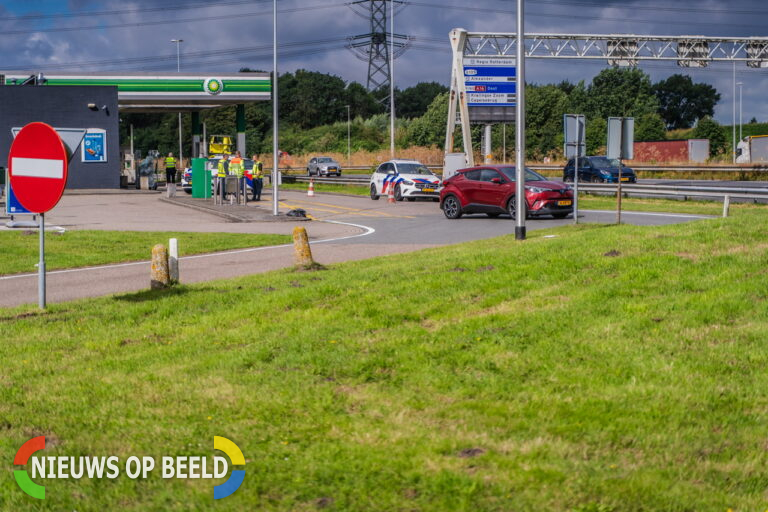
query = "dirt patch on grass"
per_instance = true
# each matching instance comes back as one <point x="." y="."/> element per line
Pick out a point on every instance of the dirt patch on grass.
<point x="612" y="254"/>
<point x="470" y="452"/>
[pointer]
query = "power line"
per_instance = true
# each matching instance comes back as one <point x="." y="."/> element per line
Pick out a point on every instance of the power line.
<point x="166" y="22"/>
<point x="588" y="18"/>
<point x="172" y="7"/>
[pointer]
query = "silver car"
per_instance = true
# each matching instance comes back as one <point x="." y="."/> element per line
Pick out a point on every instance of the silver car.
<point x="323" y="166"/>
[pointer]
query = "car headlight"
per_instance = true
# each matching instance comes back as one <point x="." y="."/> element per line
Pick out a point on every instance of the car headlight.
<point x="406" y="182"/>
<point x="537" y="190"/>
<point x="605" y="173"/>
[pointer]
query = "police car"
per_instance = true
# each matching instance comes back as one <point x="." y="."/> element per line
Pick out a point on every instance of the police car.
<point x="407" y="179"/>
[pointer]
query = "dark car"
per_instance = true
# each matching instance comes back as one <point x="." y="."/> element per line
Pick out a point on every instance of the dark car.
<point x="599" y="169"/>
<point x="491" y="190"/>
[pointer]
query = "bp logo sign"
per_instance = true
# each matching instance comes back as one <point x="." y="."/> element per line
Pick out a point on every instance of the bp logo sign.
<point x="213" y="86"/>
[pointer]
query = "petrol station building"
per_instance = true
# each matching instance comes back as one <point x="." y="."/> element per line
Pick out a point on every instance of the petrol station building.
<point x="93" y="101"/>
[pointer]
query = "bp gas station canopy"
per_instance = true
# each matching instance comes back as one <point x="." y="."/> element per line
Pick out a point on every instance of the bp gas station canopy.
<point x="169" y="92"/>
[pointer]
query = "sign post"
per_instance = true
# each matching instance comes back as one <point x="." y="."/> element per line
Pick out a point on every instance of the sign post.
<point x="575" y="147"/>
<point x="37" y="169"/>
<point x="621" y="143"/>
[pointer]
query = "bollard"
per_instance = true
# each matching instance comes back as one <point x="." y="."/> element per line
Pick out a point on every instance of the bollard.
<point x="726" y="205"/>
<point x="302" y="252"/>
<point x="170" y="190"/>
<point x="173" y="260"/>
<point x="159" y="278"/>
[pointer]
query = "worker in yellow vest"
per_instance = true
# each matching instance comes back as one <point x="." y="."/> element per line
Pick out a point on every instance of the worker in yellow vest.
<point x="258" y="178"/>
<point x="221" y="174"/>
<point x="237" y="168"/>
<point x="170" y="169"/>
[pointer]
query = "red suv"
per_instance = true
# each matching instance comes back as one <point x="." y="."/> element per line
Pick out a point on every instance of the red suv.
<point x="491" y="190"/>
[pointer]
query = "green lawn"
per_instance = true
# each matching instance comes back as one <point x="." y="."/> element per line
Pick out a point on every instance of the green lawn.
<point x="20" y="249"/>
<point x="355" y="190"/>
<point x="587" y="369"/>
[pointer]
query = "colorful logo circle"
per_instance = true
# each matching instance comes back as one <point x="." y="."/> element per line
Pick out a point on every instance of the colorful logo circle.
<point x="213" y="86"/>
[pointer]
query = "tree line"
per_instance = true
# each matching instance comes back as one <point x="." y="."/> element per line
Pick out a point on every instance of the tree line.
<point x="314" y="108"/>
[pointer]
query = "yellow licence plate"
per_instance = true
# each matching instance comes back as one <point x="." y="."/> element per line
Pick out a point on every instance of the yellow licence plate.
<point x="428" y="190"/>
<point x="564" y="203"/>
<point x="624" y="179"/>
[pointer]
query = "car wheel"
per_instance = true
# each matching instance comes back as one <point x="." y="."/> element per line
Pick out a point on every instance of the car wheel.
<point x="493" y="215"/>
<point x="596" y="179"/>
<point x="309" y="173"/>
<point x="374" y="195"/>
<point x="568" y="179"/>
<point x="512" y="208"/>
<point x="452" y="207"/>
<point x="560" y="215"/>
<point x="398" y="193"/>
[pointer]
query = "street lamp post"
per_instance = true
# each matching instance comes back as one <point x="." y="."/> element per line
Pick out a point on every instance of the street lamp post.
<point x="349" y="145"/>
<point x="178" y="70"/>
<point x="275" y="158"/>
<point x="392" y="79"/>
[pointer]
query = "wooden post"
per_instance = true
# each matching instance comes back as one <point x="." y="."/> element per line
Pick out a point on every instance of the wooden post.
<point x="159" y="277"/>
<point x="302" y="252"/>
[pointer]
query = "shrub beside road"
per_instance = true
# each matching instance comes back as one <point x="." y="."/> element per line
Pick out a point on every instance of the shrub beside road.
<point x="608" y="368"/>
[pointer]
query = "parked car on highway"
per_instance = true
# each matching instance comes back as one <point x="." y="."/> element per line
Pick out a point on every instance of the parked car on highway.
<point x="491" y="190"/>
<point x="408" y="179"/>
<point x="323" y="166"/>
<point x="212" y="164"/>
<point x="599" y="169"/>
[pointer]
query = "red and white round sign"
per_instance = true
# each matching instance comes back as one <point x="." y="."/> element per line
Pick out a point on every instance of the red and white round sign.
<point x="37" y="167"/>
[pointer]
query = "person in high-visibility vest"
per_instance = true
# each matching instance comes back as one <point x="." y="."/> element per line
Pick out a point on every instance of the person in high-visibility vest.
<point x="221" y="173"/>
<point x="237" y="168"/>
<point x="258" y="178"/>
<point x="170" y="169"/>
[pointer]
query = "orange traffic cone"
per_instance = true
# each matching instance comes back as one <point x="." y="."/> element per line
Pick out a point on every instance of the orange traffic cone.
<point x="311" y="191"/>
<point x="391" y="196"/>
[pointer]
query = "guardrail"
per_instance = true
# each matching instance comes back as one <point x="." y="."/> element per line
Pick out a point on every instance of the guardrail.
<point x="683" y="191"/>
<point x="640" y="168"/>
<point x="628" y="189"/>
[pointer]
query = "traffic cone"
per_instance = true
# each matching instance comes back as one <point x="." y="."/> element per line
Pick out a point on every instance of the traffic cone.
<point x="391" y="196"/>
<point x="311" y="191"/>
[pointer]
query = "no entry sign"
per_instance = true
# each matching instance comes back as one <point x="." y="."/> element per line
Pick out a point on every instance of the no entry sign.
<point x="37" y="167"/>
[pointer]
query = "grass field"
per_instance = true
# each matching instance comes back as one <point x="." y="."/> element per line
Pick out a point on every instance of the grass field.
<point x="588" y="369"/>
<point x="85" y="248"/>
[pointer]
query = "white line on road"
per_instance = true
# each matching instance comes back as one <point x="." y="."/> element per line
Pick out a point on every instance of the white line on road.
<point x="368" y="231"/>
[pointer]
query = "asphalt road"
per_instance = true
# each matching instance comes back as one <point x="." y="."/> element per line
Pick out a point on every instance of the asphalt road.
<point x="345" y="228"/>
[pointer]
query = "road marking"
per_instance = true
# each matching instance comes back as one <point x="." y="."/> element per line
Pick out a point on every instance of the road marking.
<point x="367" y="231"/>
<point x="356" y="211"/>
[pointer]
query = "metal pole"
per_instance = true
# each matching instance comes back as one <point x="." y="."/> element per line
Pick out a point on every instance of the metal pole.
<point x="741" y="110"/>
<point x="392" y="79"/>
<point x="504" y="142"/>
<point x="41" y="265"/>
<point x="487" y="143"/>
<point x="733" y="149"/>
<point x="576" y="175"/>
<point x="621" y="157"/>
<point x="275" y="172"/>
<point x="178" y="70"/>
<point x="349" y="145"/>
<point x="520" y="126"/>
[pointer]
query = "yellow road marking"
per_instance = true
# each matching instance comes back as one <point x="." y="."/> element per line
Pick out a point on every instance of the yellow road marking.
<point x="356" y="211"/>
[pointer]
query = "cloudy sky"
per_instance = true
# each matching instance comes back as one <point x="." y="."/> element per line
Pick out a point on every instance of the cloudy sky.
<point x="120" y="35"/>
